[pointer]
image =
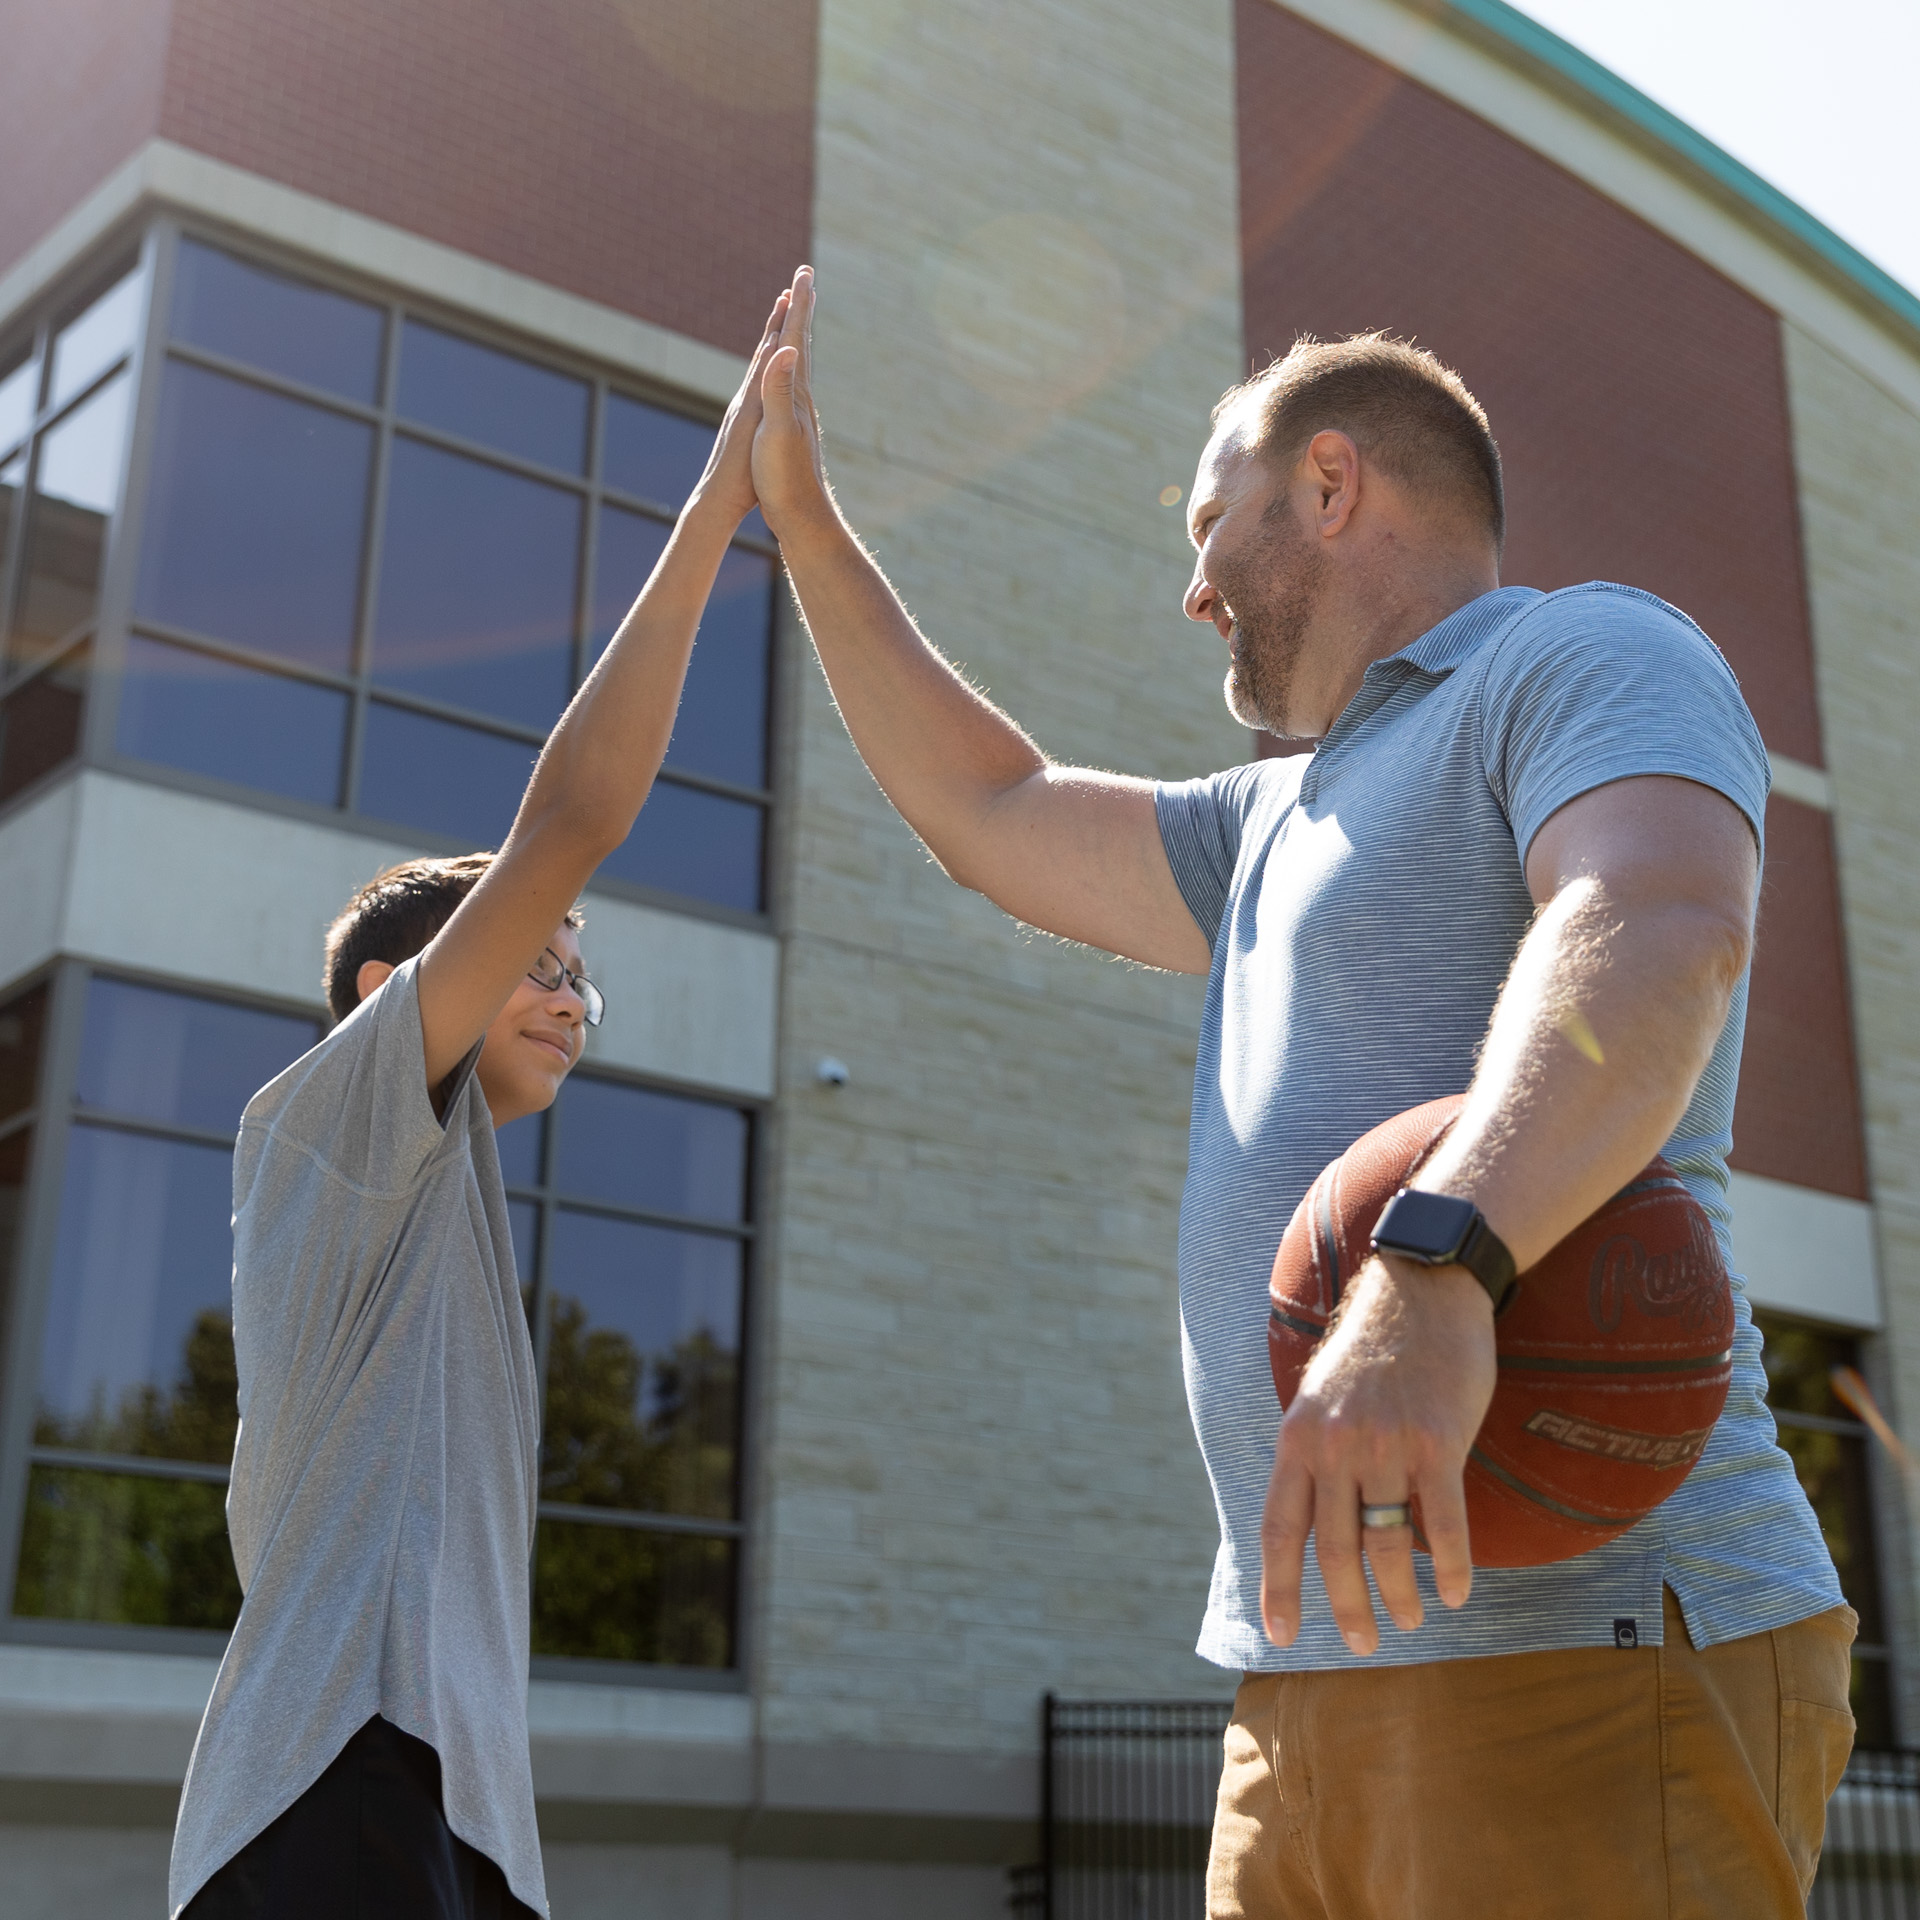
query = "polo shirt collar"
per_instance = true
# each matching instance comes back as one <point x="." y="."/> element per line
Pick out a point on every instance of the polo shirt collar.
<point x="1440" y="649"/>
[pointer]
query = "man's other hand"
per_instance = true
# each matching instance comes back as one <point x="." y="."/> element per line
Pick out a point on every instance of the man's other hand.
<point x="789" y="475"/>
<point x="1387" y="1411"/>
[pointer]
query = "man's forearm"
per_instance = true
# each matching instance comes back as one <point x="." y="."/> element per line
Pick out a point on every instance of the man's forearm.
<point x="1604" y="1026"/>
<point x="942" y="752"/>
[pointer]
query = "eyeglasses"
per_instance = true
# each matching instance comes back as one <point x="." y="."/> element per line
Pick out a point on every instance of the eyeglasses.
<point x="551" y="972"/>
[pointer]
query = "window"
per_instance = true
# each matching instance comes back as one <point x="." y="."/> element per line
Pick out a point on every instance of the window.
<point x="632" y="1229"/>
<point x="631" y="1220"/>
<point x="66" y="405"/>
<point x="134" y="1413"/>
<point x="377" y="556"/>
<point x="1829" y="1449"/>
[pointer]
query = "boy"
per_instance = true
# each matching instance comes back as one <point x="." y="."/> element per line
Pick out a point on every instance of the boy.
<point x="365" y="1749"/>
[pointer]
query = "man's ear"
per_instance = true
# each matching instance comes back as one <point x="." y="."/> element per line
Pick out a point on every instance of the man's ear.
<point x="371" y="974"/>
<point x="1332" y="464"/>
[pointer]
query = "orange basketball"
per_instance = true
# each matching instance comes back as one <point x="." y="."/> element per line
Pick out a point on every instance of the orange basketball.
<point x="1614" y="1356"/>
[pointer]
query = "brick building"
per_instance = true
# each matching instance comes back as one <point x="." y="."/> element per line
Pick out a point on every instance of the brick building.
<point x="353" y="360"/>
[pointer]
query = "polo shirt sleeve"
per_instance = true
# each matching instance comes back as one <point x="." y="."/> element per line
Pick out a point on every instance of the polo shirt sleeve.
<point x="1603" y="683"/>
<point x="1201" y="824"/>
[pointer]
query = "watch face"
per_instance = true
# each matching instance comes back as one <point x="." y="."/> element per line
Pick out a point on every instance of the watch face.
<point x="1426" y="1226"/>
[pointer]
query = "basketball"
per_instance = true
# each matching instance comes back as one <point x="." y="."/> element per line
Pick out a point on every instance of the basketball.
<point x="1614" y="1356"/>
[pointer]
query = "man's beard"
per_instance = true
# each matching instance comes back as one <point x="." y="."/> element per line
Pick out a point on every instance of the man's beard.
<point x="1274" y="589"/>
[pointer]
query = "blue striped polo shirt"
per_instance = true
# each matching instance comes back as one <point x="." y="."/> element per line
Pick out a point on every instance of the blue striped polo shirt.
<point x="1364" y="905"/>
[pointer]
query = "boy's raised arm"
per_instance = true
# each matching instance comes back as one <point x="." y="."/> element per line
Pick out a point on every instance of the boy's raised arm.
<point x="599" y="762"/>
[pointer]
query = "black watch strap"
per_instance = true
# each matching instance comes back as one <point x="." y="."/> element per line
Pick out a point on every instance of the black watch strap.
<point x="1439" y="1230"/>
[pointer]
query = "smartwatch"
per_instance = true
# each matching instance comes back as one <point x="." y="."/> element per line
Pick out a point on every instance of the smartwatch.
<point x="1438" y="1230"/>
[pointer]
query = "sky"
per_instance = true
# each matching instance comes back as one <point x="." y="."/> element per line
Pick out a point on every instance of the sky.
<point x="1816" y="96"/>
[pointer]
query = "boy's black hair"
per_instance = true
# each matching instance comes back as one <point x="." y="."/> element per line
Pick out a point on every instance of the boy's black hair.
<point x="394" y="916"/>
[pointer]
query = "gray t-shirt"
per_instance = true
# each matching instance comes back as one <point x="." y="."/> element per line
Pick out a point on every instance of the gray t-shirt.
<point x="1364" y="905"/>
<point x="383" y="1488"/>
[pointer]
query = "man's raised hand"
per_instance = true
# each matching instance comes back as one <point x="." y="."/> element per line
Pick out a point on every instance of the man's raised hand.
<point x="726" y="487"/>
<point x="789" y="476"/>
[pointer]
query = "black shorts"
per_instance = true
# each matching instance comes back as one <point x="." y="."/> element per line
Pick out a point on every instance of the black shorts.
<point x="367" y="1841"/>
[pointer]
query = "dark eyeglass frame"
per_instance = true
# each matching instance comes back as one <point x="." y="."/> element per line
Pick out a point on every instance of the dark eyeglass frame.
<point x="592" y="1000"/>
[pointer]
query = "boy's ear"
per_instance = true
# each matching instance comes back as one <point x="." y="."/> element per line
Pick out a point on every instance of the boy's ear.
<point x="371" y="974"/>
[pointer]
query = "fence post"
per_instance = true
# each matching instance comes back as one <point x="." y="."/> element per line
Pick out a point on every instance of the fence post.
<point x="1046" y="1805"/>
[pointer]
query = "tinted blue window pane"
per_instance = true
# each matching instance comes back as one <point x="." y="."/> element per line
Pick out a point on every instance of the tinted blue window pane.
<point x="155" y="1055"/>
<point x="496" y="399"/>
<point x="309" y="334"/>
<point x="642" y="1367"/>
<point x="258" y="729"/>
<point x="651" y="453"/>
<point x="630" y="546"/>
<point x="519" y="1142"/>
<point x="444" y="777"/>
<point x="255" y="518"/>
<point x="636" y="1148"/>
<point x="523" y="1219"/>
<point x="137" y="1356"/>
<point x="477" y="584"/>
<point x="697" y="844"/>
<point x="721" y="729"/>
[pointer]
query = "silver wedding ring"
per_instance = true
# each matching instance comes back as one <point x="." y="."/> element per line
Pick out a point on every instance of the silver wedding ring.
<point x="1393" y="1514"/>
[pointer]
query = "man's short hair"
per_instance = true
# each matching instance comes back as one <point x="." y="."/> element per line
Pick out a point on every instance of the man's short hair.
<point x="395" y="915"/>
<point x="1404" y="410"/>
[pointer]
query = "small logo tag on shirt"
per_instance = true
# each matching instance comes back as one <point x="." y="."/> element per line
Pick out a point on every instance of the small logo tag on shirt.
<point x="1626" y="1633"/>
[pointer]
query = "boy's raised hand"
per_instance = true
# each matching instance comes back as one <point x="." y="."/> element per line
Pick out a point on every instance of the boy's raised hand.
<point x="789" y="476"/>
<point x="726" y="487"/>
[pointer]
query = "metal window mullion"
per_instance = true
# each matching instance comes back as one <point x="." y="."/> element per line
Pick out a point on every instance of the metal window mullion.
<point x="39" y="1226"/>
<point x="590" y="536"/>
<point x="710" y="783"/>
<point x="635" y="1520"/>
<point x="114" y="607"/>
<point x="138" y="1466"/>
<point x="373" y="551"/>
<point x="444" y="442"/>
<point x="239" y="655"/>
<point x="278" y="383"/>
<point x="12" y="560"/>
<point x="655" y="1217"/>
<point x="152" y="1129"/>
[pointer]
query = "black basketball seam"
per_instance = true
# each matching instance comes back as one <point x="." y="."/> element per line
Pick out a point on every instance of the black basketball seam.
<point x="1297" y="1326"/>
<point x="1541" y="1499"/>
<point x="1329" y="1246"/>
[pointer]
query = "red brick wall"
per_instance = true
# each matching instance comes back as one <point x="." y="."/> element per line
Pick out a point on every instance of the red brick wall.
<point x="650" y="154"/>
<point x="1639" y="401"/>
<point x="1638" y="398"/>
<point x="79" y="90"/>
<point x="1797" y="1117"/>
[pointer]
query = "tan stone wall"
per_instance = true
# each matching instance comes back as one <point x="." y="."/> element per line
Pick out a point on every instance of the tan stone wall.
<point x="977" y="1476"/>
<point x="1858" y="451"/>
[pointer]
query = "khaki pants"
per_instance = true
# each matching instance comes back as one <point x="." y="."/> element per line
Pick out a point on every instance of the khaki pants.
<point x="1658" y="1784"/>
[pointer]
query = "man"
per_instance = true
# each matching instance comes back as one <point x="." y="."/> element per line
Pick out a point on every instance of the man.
<point x="364" y="1752"/>
<point x="1521" y="862"/>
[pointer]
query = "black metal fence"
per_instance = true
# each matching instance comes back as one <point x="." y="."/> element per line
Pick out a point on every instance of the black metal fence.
<point x="1128" y="1786"/>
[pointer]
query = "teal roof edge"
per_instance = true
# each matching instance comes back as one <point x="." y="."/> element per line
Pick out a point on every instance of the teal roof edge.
<point x="1540" y="47"/>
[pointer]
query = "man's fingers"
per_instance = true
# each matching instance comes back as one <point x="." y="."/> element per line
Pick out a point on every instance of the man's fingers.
<point x="1390" y="1552"/>
<point x="1443" y="1519"/>
<point x="1336" y="1539"/>
<point x="1283" y="1546"/>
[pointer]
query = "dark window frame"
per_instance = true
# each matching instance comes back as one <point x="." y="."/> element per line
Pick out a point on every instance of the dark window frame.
<point x="152" y="242"/>
<point x="1879" y="1657"/>
<point x="51" y="1117"/>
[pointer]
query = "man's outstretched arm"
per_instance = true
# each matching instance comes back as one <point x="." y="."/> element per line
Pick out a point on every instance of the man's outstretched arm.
<point x="599" y="762"/>
<point x="1607" y="1020"/>
<point x="1070" y="850"/>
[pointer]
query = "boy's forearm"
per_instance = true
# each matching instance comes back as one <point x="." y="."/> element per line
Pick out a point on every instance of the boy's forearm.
<point x="942" y="752"/>
<point x="600" y="761"/>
